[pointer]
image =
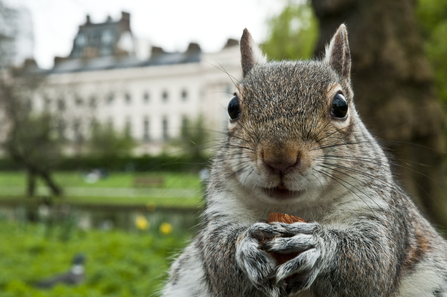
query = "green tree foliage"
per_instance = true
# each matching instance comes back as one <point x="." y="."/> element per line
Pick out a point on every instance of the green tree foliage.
<point x="108" y="143"/>
<point x="32" y="136"/>
<point x="28" y="136"/>
<point x="293" y="33"/>
<point x="432" y="16"/>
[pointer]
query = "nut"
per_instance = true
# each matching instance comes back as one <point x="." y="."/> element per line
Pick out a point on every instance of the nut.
<point x="288" y="219"/>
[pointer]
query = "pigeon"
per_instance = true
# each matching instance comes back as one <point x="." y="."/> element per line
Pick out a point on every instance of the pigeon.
<point x="73" y="277"/>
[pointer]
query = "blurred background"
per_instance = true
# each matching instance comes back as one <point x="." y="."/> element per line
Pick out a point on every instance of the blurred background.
<point x="111" y="110"/>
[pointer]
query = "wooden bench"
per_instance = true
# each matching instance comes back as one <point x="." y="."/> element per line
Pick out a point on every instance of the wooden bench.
<point x="148" y="182"/>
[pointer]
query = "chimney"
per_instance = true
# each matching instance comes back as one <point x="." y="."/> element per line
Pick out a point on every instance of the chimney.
<point x="125" y="15"/>
<point x="30" y="63"/>
<point x="193" y="48"/>
<point x="87" y="20"/>
<point x="125" y="19"/>
<point x="155" y="51"/>
<point x="58" y="60"/>
<point x="231" y="42"/>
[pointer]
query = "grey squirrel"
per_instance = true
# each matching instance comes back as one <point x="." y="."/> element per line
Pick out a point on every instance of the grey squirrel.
<point x="296" y="145"/>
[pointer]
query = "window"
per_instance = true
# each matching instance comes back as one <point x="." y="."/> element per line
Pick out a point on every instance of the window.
<point x="146" y="129"/>
<point x="165" y="128"/>
<point x="165" y="96"/>
<point x="146" y="97"/>
<point x="110" y="99"/>
<point x="78" y="101"/>
<point x="93" y="102"/>
<point x="61" y="104"/>
<point x="184" y="95"/>
<point x="128" y="98"/>
<point x="80" y="40"/>
<point x="107" y="36"/>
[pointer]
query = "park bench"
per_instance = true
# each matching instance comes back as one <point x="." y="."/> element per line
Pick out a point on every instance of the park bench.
<point x="148" y="182"/>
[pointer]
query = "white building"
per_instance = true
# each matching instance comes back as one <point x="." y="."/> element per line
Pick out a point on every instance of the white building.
<point x="104" y="79"/>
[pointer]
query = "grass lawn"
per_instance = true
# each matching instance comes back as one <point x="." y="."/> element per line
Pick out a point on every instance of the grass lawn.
<point x="172" y="180"/>
<point x="148" y="202"/>
<point x="119" y="264"/>
<point x="177" y="190"/>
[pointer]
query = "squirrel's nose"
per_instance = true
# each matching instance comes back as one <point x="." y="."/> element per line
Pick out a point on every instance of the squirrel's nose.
<point x="280" y="160"/>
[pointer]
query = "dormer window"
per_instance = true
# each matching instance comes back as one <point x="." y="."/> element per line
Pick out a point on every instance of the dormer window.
<point x="107" y="36"/>
<point x="80" y="40"/>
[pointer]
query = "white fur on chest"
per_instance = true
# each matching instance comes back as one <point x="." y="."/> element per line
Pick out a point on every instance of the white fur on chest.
<point x="190" y="275"/>
<point x="423" y="282"/>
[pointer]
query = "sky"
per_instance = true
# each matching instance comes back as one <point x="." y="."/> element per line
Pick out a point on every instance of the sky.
<point x="171" y="24"/>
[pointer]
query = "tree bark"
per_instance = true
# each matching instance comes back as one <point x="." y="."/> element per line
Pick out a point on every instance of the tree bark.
<point x="395" y="92"/>
<point x="55" y="189"/>
<point x="31" y="183"/>
<point x="33" y="171"/>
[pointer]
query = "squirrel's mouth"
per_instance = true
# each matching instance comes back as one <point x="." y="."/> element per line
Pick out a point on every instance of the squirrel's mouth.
<point x="281" y="193"/>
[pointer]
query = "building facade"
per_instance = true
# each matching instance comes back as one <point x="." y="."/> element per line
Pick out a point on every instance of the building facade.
<point x="106" y="80"/>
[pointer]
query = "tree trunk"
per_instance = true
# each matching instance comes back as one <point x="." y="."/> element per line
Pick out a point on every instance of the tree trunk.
<point x="33" y="171"/>
<point x="55" y="189"/>
<point x="31" y="183"/>
<point x="394" y="90"/>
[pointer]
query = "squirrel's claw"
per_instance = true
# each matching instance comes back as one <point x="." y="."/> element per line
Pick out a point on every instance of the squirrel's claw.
<point x="284" y="245"/>
<point x="263" y="231"/>
<point x="303" y="268"/>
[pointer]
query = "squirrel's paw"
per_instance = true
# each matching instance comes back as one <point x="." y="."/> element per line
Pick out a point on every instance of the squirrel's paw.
<point x="301" y="271"/>
<point x="259" y="266"/>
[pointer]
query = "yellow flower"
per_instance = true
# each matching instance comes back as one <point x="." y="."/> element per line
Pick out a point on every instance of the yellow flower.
<point x="141" y="222"/>
<point x="166" y="228"/>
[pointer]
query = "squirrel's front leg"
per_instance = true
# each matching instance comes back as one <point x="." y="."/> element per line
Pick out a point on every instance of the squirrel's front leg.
<point x="354" y="261"/>
<point x="305" y="239"/>
<point x="258" y="265"/>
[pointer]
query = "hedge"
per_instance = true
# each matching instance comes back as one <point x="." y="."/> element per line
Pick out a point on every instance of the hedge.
<point x="144" y="163"/>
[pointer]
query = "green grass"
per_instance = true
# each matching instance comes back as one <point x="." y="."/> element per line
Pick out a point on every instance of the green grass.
<point x="178" y="189"/>
<point x="118" y="263"/>
<point x="150" y="202"/>
<point x="114" y="180"/>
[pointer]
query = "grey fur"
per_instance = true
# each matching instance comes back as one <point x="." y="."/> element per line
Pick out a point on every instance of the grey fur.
<point x="364" y="236"/>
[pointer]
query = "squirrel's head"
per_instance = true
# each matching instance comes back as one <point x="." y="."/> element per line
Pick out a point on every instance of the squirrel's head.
<point x="287" y="116"/>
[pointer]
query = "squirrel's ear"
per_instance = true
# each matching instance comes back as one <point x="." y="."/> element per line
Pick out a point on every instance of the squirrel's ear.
<point x="251" y="54"/>
<point x="338" y="55"/>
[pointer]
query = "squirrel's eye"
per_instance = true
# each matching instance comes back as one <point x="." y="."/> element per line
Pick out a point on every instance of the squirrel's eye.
<point x="233" y="108"/>
<point x="339" y="107"/>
